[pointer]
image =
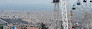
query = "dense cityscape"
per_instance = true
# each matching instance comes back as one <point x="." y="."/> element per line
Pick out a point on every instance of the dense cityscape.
<point x="32" y="17"/>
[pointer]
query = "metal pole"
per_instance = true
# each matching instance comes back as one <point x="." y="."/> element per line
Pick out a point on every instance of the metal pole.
<point x="64" y="14"/>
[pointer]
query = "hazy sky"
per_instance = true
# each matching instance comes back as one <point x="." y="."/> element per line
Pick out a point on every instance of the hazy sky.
<point x="25" y="1"/>
<point x="26" y="4"/>
<point x="29" y="4"/>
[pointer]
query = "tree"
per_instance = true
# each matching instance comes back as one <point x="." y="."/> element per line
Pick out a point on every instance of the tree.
<point x="25" y="28"/>
<point x="43" y="26"/>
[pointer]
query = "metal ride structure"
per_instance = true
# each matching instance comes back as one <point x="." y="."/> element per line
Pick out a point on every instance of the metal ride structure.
<point x="56" y="9"/>
<point x="66" y="14"/>
<point x="63" y="12"/>
<point x="85" y="9"/>
<point x="56" y="14"/>
<point x="86" y="23"/>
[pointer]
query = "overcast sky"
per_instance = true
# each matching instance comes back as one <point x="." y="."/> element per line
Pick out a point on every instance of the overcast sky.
<point x="28" y="4"/>
<point x="25" y="1"/>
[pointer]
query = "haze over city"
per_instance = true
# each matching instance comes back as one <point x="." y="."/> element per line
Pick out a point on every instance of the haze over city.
<point x="45" y="14"/>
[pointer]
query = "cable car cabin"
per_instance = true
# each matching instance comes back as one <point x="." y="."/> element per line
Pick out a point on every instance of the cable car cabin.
<point x="84" y="0"/>
<point x="73" y="8"/>
<point x="78" y="3"/>
<point x="91" y="1"/>
<point x="71" y="13"/>
<point x="55" y="1"/>
<point x="73" y="5"/>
